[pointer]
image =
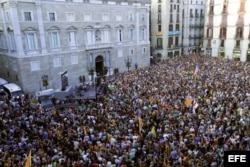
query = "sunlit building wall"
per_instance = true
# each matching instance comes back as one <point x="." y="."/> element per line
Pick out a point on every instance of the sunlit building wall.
<point x="80" y="37"/>
<point x="166" y="28"/>
<point x="193" y="25"/>
<point x="227" y="29"/>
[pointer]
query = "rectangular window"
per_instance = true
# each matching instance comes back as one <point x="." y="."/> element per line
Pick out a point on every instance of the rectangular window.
<point x="54" y="40"/>
<point x="57" y="62"/>
<point x="12" y="43"/>
<point x="74" y="59"/>
<point x="171" y="18"/>
<point x="131" y="17"/>
<point x="120" y="53"/>
<point x="52" y="16"/>
<point x="106" y="36"/>
<point x="35" y="65"/>
<point x="177" y="18"/>
<point x="27" y="16"/>
<point x="70" y="16"/>
<point x="88" y="37"/>
<point x="177" y="27"/>
<point x="6" y="63"/>
<point x="131" y="34"/>
<point x="7" y="17"/>
<point x="176" y="41"/>
<point x="119" y="17"/>
<point x="131" y="52"/>
<point x="105" y="16"/>
<point x="119" y="35"/>
<point x="143" y="33"/>
<point x="159" y="42"/>
<point x="170" y="42"/>
<point x="143" y="50"/>
<point x="159" y="28"/>
<point x="142" y="17"/>
<point x="14" y="65"/>
<point x="31" y="41"/>
<point x="159" y="18"/>
<point x="2" y="42"/>
<point x="87" y="17"/>
<point x="72" y="38"/>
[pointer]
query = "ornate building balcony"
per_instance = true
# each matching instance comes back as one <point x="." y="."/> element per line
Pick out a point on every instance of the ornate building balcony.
<point x="98" y="46"/>
<point x="209" y="24"/>
<point x="222" y="36"/>
<point x="238" y="37"/>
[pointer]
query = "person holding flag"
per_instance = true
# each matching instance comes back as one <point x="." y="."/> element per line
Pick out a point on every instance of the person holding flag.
<point x="153" y="131"/>
<point x="28" y="160"/>
<point x="196" y="71"/>
<point x="140" y="124"/>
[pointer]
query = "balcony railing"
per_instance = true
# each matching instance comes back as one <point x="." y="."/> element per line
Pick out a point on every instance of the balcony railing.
<point x="211" y="12"/>
<point x="224" y="12"/>
<point x="210" y="36"/>
<point x="99" y="46"/>
<point x="240" y="24"/>
<point x="238" y="37"/>
<point x="237" y="47"/>
<point x="222" y="36"/>
<point x="210" y="25"/>
<point x="158" y="47"/>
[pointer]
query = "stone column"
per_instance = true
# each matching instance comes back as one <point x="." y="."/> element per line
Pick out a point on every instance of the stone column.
<point x="16" y="28"/>
<point x="41" y="27"/>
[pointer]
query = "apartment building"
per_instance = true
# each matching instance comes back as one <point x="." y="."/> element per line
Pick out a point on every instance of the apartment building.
<point x="45" y="39"/>
<point x="166" y="25"/>
<point x="193" y="26"/>
<point x="227" y="29"/>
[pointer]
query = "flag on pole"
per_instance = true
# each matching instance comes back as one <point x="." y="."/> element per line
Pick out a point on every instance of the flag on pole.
<point x="28" y="160"/>
<point x="188" y="101"/>
<point x="140" y="123"/>
<point x="153" y="131"/>
<point x="196" y="69"/>
<point x="164" y="162"/>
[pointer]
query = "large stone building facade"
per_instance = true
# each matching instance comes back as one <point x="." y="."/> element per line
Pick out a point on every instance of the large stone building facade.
<point x="51" y="37"/>
<point x="166" y="28"/>
<point x="227" y="29"/>
<point x="193" y="26"/>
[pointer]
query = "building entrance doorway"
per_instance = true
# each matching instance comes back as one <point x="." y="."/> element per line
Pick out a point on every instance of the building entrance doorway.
<point x="222" y="54"/>
<point x="99" y="66"/>
<point x="248" y="55"/>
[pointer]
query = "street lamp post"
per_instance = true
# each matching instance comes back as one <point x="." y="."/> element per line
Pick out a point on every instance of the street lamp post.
<point x="128" y="62"/>
<point x="45" y="79"/>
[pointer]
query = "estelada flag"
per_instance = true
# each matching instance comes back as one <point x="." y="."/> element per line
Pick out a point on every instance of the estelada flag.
<point x="188" y="101"/>
<point x="28" y="160"/>
<point x="151" y="99"/>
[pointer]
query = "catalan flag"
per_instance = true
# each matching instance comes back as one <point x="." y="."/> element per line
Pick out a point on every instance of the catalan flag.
<point x="188" y="101"/>
<point x="28" y="160"/>
<point x="153" y="131"/>
<point x="140" y="123"/>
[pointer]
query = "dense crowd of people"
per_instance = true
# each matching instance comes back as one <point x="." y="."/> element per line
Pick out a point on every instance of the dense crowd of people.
<point x="182" y="112"/>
